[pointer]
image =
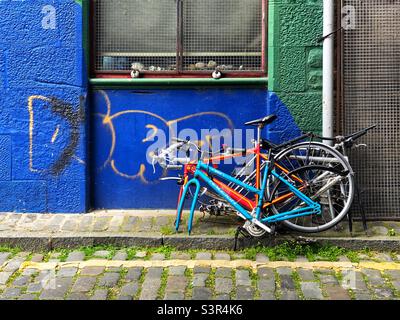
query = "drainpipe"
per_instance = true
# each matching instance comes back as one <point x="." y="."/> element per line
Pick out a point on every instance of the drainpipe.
<point x="327" y="67"/>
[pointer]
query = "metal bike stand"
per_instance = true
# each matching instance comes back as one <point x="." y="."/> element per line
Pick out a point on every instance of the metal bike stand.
<point x="240" y="231"/>
<point x="362" y="211"/>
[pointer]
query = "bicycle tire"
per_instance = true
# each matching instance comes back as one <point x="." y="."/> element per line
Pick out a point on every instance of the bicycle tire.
<point x="341" y="166"/>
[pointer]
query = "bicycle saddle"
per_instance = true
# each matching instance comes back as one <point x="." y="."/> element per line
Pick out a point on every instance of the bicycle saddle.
<point x="263" y="121"/>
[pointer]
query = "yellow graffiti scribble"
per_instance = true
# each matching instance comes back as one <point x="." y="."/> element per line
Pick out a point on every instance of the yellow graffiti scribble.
<point x="153" y="135"/>
<point x="31" y="128"/>
<point x="55" y="135"/>
<point x="139" y="175"/>
<point x="133" y="177"/>
<point x="108" y="120"/>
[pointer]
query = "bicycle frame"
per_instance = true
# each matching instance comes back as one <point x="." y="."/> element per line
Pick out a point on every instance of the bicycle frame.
<point x="241" y="199"/>
<point x="312" y="207"/>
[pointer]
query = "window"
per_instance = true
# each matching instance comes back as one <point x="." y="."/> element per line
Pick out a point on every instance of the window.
<point x="179" y="37"/>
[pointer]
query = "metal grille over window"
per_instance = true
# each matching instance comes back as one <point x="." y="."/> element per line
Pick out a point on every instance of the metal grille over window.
<point x="372" y="95"/>
<point x="179" y="35"/>
<point x="221" y="34"/>
<point x="139" y="32"/>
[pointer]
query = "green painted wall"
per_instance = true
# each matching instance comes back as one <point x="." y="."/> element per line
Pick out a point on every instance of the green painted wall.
<point x="295" y="59"/>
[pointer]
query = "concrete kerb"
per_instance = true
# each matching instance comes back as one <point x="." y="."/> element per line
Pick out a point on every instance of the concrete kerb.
<point x="43" y="242"/>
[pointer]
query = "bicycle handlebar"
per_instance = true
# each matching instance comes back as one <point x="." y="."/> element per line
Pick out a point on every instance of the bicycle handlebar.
<point x="346" y="139"/>
<point x="360" y="133"/>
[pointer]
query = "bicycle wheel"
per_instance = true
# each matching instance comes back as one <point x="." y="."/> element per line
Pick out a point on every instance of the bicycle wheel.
<point x="310" y="153"/>
<point x="331" y="187"/>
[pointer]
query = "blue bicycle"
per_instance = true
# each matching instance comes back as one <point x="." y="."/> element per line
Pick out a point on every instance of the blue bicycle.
<point x="311" y="191"/>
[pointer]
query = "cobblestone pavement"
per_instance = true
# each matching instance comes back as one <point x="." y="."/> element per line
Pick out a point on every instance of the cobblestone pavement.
<point x="140" y="274"/>
<point x="152" y="222"/>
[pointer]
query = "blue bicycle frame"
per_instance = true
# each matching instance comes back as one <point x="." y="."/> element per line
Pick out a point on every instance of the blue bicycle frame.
<point x="311" y="208"/>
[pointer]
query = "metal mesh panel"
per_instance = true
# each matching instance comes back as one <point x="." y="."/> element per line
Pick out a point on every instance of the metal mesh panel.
<point x="215" y="33"/>
<point x="224" y="34"/>
<point x="135" y="31"/>
<point x="372" y="95"/>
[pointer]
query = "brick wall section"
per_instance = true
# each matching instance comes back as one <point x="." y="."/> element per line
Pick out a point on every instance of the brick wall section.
<point x="295" y="59"/>
<point x="42" y="143"/>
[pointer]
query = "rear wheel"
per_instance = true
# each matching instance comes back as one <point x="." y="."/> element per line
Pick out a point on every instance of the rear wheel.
<point x="331" y="187"/>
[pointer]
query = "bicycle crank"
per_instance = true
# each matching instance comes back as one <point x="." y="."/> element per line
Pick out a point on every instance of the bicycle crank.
<point x="256" y="231"/>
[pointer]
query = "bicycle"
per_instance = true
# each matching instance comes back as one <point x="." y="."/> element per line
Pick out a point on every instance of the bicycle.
<point x="255" y="223"/>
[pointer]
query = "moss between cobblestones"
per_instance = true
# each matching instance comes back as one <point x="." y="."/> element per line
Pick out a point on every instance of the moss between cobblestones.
<point x="368" y="284"/>
<point x="297" y="284"/>
<point x="166" y="250"/>
<point x="90" y="251"/>
<point x="131" y="253"/>
<point x="389" y="284"/>
<point x="29" y="257"/>
<point x="286" y="251"/>
<point x="114" y="291"/>
<point x="141" y="280"/>
<point x="96" y="285"/>
<point x="163" y="286"/>
<point x="352" y="256"/>
<point x="63" y="254"/>
<point x="74" y="279"/>
<point x="11" y="250"/>
<point x="291" y="250"/>
<point x="233" y="293"/>
<point x="393" y="255"/>
<point x="189" y="287"/>
<point x="321" y="286"/>
<point x="14" y="276"/>
<point x="339" y="276"/>
<point x="210" y="282"/>
<point x="352" y="294"/>
<point x="254" y="279"/>
<point x="167" y="230"/>
<point x="278" y="292"/>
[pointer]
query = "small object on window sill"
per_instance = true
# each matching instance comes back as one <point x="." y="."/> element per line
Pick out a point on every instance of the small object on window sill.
<point x="217" y="74"/>
<point x="212" y="64"/>
<point x="192" y="67"/>
<point x="135" y="74"/>
<point x="200" y="65"/>
<point x="226" y="67"/>
<point x="137" y="66"/>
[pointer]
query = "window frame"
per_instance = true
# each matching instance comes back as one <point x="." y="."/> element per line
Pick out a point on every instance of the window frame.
<point x="125" y="74"/>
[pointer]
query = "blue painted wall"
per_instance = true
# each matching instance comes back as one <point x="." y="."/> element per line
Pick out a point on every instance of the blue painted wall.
<point x="122" y="119"/>
<point x="44" y="119"/>
<point x="42" y="107"/>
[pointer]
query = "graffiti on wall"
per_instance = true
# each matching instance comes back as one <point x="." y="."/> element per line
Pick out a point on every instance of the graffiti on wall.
<point x="156" y="124"/>
<point x="71" y="118"/>
<point x="127" y="125"/>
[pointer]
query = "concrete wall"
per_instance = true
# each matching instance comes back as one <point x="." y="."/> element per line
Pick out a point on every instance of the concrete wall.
<point x="42" y="107"/>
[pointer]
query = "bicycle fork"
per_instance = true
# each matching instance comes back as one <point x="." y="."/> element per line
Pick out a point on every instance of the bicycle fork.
<point x="195" y="182"/>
